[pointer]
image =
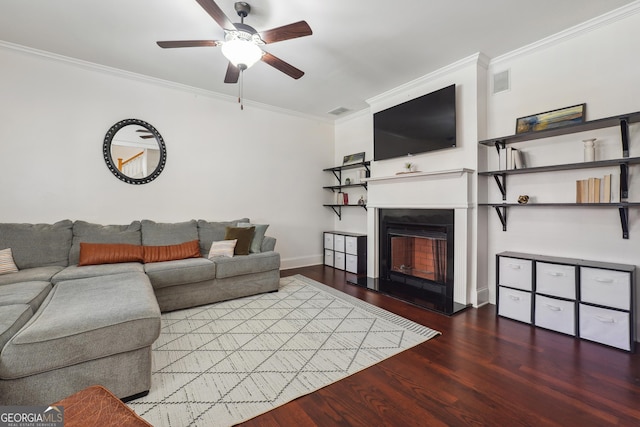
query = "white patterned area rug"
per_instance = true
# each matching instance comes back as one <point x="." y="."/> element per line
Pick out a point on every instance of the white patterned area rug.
<point x="224" y="363"/>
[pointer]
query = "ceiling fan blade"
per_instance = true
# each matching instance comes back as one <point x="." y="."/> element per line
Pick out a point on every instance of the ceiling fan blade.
<point x="233" y="73"/>
<point x="286" y="32"/>
<point x="187" y="43"/>
<point x="146" y="136"/>
<point x="217" y="14"/>
<point x="285" y="67"/>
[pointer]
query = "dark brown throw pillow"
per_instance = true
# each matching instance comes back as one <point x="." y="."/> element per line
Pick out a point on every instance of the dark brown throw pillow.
<point x="172" y="252"/>
<point x="109" y="253"/>
<point x="244" y="237"/>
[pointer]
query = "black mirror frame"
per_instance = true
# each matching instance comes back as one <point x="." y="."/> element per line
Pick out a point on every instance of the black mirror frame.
<point x="106" y="151"/>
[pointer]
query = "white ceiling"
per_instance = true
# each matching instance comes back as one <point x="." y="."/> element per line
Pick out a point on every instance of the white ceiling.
<point x="359" y="48"/>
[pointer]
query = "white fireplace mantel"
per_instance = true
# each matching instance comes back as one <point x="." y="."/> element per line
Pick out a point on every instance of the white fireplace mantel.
<point x="433" y="189"/>
<point x="452" y="173"/>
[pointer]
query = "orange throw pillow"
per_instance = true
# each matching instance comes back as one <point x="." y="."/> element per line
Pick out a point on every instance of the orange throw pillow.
<point x="172" y="252"/>
<point x="109" y="253"/>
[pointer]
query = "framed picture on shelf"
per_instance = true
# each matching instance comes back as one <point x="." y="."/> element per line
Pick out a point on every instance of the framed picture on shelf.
<point x="552" y="119"/>
<point x="353" y="158"/>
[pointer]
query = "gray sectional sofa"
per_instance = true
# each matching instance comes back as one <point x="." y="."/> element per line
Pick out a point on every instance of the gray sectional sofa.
<point x="64" y="326"/>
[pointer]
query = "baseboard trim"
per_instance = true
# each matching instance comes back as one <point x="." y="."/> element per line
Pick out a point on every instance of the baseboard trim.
<point x="289" y="263"/>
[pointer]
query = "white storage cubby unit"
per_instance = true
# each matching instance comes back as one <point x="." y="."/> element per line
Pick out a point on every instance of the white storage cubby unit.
<point x="587" y="299"/>
<point x="346" y="251"/>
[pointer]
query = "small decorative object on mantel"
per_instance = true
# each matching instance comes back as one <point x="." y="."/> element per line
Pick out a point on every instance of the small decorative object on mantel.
<point x="353" y="158"/>
<point x="361" y="201"/>
<point x="340" y="198"/>
<point x="347" y="181"/>
<point x="408" y="168"/>
<point x="551" y="119"/>
<point x="345" y="200"/>
<point x="589" y="149"/>
<point x="523" y="199"/>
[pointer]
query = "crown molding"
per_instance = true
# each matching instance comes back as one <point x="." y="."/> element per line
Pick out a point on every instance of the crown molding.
<point x="475" y="59"/>
<point x="575" y="31"/>
<point x="91" y="66"/>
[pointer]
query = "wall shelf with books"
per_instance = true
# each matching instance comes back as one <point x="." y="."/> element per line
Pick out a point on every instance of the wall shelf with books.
<point x="587" y="196"/>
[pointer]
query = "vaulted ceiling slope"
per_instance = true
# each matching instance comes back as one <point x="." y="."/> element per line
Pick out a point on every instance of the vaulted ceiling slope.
<point x="359" y="48"/>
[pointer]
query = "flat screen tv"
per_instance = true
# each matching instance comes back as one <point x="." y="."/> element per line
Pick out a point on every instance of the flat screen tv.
<point x="426" y="123"/>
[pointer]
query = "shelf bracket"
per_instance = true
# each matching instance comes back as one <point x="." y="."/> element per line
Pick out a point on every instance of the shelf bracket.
<point x="501" y="180"/>
<point x="624" y="221"/>
<point x="624" y="181"/>
<point x="338" y="175"/>
<point x="624" y="132"/>
<point x="337" y="211"/>
<point x="502" y="214"/>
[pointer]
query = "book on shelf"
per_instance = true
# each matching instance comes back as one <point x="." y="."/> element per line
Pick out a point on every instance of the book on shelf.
<point x="596" y="190"/>
<point x="606" y="189"/>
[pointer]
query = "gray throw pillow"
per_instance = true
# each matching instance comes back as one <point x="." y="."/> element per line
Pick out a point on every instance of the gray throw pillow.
<point x="258" y="236"/>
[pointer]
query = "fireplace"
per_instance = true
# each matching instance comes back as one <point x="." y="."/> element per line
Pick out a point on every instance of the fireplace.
<point x="416" y="250"/>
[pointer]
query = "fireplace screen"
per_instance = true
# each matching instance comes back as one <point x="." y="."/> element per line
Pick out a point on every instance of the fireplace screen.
<point x="420" y="254"/>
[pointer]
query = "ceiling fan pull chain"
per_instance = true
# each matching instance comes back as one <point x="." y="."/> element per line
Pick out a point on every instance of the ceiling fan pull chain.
<point x="240" y="89"/>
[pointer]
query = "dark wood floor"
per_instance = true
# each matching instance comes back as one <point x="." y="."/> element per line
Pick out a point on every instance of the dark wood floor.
<point x="482" y="371"/>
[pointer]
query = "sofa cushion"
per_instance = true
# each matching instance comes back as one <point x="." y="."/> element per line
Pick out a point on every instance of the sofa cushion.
<point x="163" y="234"/>
<point x="246" y="264"/>
<point x="31" y="293"/>
<point x="37" y="245"/>
<point x="258" y="235"/>
<point x="82" y="272"/>
<point x="171" y="252"/>
<point x="96" y="233"/>
<point x="243" y="237"/>
<point x="6" y="262"/>
<point x="109" y="253"/>
<point x="212" y="231"/>
<point x="184" y="271"/>
<point x="30" y="275"/>
<point x="82" y="320"/>
<point x="12" y="318"/>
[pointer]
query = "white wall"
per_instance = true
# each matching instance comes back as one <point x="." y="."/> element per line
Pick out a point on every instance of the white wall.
<point x="598" y="65"/>
<point x="222" y="163"/>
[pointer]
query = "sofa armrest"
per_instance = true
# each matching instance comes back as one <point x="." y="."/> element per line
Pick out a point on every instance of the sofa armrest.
<point x="268" y="244"/>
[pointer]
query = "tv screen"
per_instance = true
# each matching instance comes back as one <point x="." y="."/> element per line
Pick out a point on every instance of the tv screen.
<point x="422" y="124"/>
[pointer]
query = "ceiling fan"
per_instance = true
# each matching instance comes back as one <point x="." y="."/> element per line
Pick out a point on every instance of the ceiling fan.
<point x="241" y="45"/>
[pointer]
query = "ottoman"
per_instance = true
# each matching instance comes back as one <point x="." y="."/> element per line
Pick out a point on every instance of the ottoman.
<point x="87" y="331"/>
<point x="96" y="406"/>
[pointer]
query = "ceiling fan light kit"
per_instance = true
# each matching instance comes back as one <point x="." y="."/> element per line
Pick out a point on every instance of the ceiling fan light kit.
<point x="240" y="49"/>
<point x="242" y="42"/>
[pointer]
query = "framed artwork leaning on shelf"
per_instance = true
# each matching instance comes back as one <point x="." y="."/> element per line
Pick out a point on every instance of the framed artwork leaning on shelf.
<point x="552" y="119"/>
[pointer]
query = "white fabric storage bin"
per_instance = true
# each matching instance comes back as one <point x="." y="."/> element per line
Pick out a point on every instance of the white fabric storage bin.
<point x="351" y="263"/>
<point x="338" y="260"/>
<point x="351" y="245"/>
<point x="605" y="287"/>
<point x="328" y="241"/>
<point x="556" y="280"/>
<point x="328" y="257"/>
<point x="515" y="304"/>
<point x="610" y="327"/>
<point x="338" y="242"/>
<point x="515" y="273"/>
<point x="556" y="314"/>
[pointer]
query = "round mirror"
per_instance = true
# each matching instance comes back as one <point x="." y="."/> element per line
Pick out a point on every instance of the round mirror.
<point x="134" y="151"/>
